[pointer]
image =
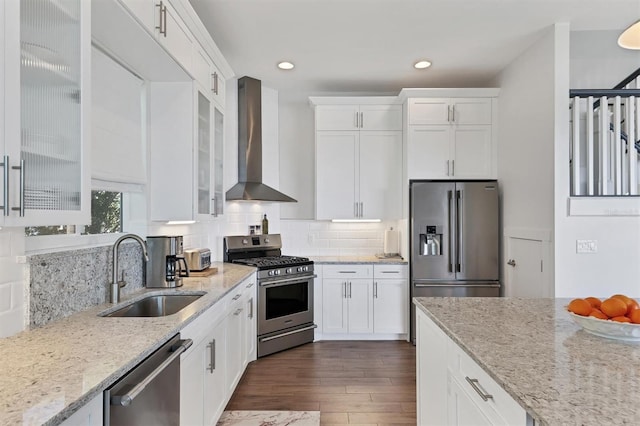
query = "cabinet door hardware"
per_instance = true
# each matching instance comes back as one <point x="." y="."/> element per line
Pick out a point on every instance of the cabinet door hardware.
<point x="250" y="308"/>
<point x="5" y="185"/>
<point x="476" y="387"/>
<point x="236" y="297"/>
<point x="357" y="124"/>
<point x="448" y="113"/>
<point x="347" y="272"/>
<point x="249" y="285"/>
<point x="448" y="168"/>
<point x="349" y="289"/>
<point x="453" y="113"/>
<point x="162" y="29"/>
<point x="390" y="272"/>
<point x="215" y="82"/>
<point x="20" y="207"/>
<point x="344" y="290"/>
<point x="237" y="312"/>
<point x="212" y="351"/>
<point x="361" y="209"/>
<point x="375" y="289"/>
<point x="511" y="262"/>
<point x="361" y="120"/>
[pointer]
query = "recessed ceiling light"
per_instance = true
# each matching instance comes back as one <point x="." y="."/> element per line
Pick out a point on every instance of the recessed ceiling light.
<point x="630" y="38"/>
<point x="284" y="65"/>
<point x="422" y="65"/>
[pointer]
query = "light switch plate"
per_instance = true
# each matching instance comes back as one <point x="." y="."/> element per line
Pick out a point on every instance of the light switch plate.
<point x="586" y="246"/>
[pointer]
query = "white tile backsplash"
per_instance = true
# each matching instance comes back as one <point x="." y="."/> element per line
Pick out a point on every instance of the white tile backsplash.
<point x="324" y="238"/>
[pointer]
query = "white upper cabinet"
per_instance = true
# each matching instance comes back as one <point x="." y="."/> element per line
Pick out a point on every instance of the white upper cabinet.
<point x="358" y="158"/>
<point x="452" y="137"/>
<point x="46" y="101"/>
<point x="161" y="19"/>
<point x="358" y="117"/>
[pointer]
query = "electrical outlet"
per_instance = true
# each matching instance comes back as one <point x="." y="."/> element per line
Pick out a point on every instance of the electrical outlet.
<point x="586" y="246"/>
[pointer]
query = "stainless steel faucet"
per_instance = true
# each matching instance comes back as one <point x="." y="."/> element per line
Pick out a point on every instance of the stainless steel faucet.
<point x="115" y="284"/>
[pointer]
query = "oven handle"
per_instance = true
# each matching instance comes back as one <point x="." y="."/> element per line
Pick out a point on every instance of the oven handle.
<point x="287" y="280"/>
<point x="288" y="333"/>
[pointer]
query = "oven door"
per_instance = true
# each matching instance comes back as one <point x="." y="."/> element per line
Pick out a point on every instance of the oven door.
<point x="285" y="303"/>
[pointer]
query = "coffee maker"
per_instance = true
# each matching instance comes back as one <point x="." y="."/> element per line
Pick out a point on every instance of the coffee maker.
<point x="166" y="265"/>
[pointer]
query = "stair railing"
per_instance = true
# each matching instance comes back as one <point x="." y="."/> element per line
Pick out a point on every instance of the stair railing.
<point x="605" y="140"/>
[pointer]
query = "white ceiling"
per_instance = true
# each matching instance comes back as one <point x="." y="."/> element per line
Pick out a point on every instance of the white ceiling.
<point x="371" y="45"/>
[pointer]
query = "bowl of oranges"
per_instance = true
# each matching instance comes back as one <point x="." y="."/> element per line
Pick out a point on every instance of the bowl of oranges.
<point x="617" y="317"/>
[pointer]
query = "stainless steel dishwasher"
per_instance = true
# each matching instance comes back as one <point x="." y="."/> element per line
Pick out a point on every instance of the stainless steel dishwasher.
<point x="150" y="393"/>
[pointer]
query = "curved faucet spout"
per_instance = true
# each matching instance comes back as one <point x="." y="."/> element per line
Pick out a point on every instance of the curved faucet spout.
<point x="115" y="284"/>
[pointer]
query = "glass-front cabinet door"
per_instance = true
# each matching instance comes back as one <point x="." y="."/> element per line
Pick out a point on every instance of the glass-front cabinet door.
<point x="218" y="157"/>
<point x="46" y="99"/>
<point x="204" y="156"/>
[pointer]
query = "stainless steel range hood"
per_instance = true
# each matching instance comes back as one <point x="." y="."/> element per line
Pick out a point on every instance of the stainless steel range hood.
<point x="250" y="186"/>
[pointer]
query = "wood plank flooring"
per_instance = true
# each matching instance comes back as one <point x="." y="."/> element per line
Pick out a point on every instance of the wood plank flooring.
<point x="363" y="382"/>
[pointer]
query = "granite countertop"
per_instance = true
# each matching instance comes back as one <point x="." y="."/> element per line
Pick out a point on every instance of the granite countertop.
<point x="557" y="372"/>
<point x="365" y="260"/>
<point x="47" y="373"/>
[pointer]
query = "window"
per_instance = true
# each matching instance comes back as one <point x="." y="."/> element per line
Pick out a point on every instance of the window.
<point x="106" y="218"/>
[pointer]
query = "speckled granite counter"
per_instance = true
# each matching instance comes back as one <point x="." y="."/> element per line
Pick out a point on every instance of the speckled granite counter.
<point x="333" y="260"/>
<point x="47" y="373"/>
<point x="557" y="372"/>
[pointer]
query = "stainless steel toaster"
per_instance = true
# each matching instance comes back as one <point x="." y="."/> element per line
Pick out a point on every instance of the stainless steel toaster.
<point x="198" y="259"/>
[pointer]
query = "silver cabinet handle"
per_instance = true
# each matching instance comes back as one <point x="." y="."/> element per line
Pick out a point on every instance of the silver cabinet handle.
<point x="215" y="82"/>
<point x="250" y="285"/>
<point x="349" y="289"/>
<point x="361" y="120"/>
<point x="458" y="230"/>
<point x="453" y="167"/>
<point x="236" y="297"/>
<point x="346" y="272"/>
<point x="127" y="399"/>
<point x="511" y="262"/>
<point x="344" y="289"/>
<point x="5" y="185"/>
<point x="390" y="272"/>
<point x="162" y="29"/>
<point x="250" y="316"/>
<point x="448" y="113"/>
<point x="237" y="312"/>
<point x="288" y="333"/>
<point x="449" y="225"/>
<point x="447" y="167"/>
<point x="214" y="210"/>
<point x="20" y="208"/>
<point x="361" y="209"/>
<point x="212" y="349"/>
<point x="357" y="124"/>
<point x="476" y="387"/>
<point x="453" y="113"/>
<point x="375" y="289"/>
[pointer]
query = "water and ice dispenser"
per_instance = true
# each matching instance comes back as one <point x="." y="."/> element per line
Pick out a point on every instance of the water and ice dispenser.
<point x="431" y="241"/>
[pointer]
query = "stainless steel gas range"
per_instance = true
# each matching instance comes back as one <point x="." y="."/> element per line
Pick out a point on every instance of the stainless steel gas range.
<point x="285" y="290"/>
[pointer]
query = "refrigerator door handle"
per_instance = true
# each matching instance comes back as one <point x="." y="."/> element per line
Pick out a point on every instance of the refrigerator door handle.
<point x="458" y="229"/>
<point x="449" y="246"/>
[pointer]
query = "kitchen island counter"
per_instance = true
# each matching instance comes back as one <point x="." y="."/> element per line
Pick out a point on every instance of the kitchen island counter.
<point x="47" y="373"/>
<point x="557" y="372"/>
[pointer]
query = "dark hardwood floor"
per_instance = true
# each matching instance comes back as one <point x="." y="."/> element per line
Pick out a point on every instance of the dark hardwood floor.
<point x="363" y="382"/>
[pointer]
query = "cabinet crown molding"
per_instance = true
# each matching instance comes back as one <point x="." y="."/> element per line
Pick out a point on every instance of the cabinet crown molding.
<point x="471" y="92"/>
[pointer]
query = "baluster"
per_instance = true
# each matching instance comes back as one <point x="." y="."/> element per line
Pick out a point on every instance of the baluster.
<point x="590" y="148"/>
<point x="603" y="148"/>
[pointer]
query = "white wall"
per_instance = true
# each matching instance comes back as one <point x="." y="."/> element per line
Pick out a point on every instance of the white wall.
<point x="597" y="62"/>
<point x="615" y="267"/>
<point x="13" y="303"/>
<point x="526" y="140"/>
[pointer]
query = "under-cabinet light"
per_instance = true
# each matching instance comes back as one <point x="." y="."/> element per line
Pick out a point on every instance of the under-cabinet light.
<point x="355" y="220"/>
<point x="630" y="38"/>
<point x="180" y="222"/>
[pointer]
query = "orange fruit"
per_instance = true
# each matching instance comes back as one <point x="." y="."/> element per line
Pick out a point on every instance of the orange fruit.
<point x="597" y="313"/>
<point x="631" y="303"/>
<point x="613" y="307"/>
<point x="594" y="301"/>
<point x="581" y="307"/>
<point x="632" y="306"/>
<point x="621" y="319"/>
<point x="635" y="316"/>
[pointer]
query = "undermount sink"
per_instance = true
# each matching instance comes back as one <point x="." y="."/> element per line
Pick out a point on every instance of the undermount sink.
<point x="155" y="306"/>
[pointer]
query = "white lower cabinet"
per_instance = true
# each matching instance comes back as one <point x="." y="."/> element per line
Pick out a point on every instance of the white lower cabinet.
<point x="89" y="415"/>
<point x="363" y="301"/>
<point x="452" y="388"/>
<point x="211" y="369"/>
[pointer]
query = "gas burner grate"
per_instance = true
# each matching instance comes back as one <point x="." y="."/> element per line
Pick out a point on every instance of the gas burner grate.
<point x="268" y="261"/>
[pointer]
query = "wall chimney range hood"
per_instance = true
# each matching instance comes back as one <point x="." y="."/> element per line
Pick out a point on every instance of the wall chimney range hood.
<point x="250" y="186"/>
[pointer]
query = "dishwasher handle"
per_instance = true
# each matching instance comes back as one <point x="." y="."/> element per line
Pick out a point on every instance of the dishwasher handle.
<point x="176" y="351"/>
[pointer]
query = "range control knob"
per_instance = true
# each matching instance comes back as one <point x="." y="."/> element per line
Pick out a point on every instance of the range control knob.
<point x="245" y="241"/>
<point x="270" y="273"/>
<point x="289" y="270"/>
<point x="299" y="269"/>
<point x="266" y="240"/>
<point x="277" y="272"/>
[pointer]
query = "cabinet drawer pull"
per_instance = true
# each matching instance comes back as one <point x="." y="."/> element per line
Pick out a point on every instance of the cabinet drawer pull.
<point x="20" y="208"/>
<point x="212" y="348"/>
<point x="249" y="285"/>
<point x="236" y="297"/>
<point x="390" y="272"/>
<point x="237" y="312"/>
<point x="346" y="272"/>
<point x="476" y="387"/>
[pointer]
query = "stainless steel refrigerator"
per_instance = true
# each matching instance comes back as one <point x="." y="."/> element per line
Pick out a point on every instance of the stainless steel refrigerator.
<point x="455" y="237"/>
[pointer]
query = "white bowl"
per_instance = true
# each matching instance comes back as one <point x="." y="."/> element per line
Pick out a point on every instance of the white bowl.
<point x="607" y="328"/>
